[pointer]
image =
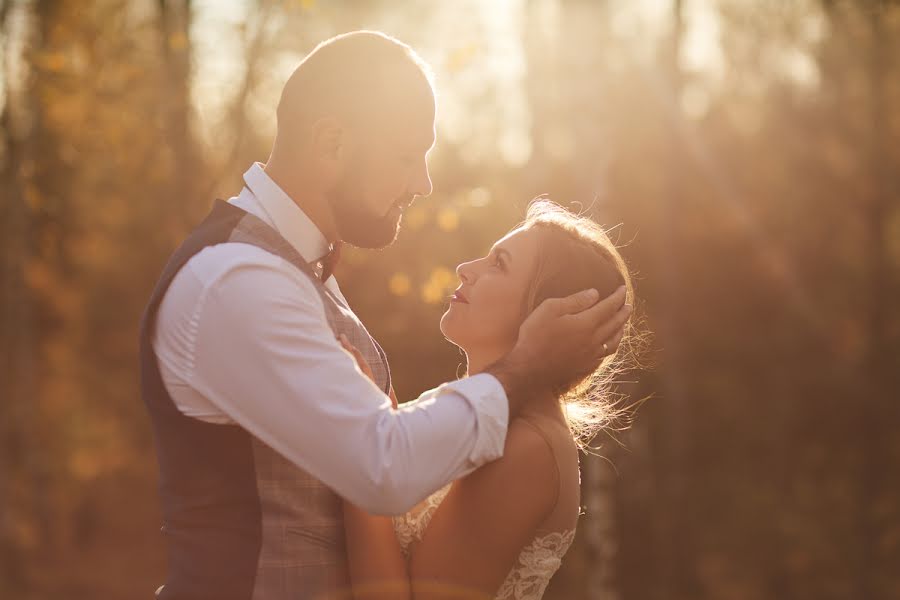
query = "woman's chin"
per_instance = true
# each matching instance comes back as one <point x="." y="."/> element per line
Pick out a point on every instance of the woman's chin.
<point x="448" y="326"/>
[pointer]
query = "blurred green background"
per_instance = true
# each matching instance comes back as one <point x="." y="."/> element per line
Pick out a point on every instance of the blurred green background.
<point x="746" y="152"/>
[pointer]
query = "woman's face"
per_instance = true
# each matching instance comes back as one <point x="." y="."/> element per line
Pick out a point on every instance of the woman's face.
<point x="489" y="306"/>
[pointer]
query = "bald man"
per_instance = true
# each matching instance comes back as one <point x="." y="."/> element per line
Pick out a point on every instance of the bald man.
<point x="262" y="420"/>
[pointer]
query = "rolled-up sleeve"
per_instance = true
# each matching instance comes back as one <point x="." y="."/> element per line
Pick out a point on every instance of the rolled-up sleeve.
<point x="264" y="355"/>
<point x="488" y="400"/>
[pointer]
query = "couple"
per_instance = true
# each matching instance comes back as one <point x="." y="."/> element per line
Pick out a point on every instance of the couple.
<point x="283" y="452"/>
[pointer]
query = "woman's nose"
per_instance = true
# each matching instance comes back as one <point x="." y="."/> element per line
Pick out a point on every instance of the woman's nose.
<point x="463" y="272"/>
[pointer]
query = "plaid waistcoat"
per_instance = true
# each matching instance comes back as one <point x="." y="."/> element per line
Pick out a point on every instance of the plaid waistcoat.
<point x="240" y="521"/>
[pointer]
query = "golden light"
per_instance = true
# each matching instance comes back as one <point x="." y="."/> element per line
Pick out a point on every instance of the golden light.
<point x="480" y="196"/>
<point x="399" y="284"/>
<point x="438" y="286"/>
<point x="414" y="218"/>
<point x="448" y="219"/>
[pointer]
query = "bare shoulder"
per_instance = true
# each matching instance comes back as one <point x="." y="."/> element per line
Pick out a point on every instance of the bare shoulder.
<point x="528" y="464"/>
<point x="560" y="445"/>
<point x="556" y="437"/>
<point x="529" y="442"/>
<point x="478" y="532"/>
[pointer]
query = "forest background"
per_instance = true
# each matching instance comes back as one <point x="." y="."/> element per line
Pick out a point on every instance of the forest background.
<point x="746" y="155"/>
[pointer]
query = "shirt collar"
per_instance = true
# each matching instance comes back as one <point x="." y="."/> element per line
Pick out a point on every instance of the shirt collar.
<point x="284" y="215"/>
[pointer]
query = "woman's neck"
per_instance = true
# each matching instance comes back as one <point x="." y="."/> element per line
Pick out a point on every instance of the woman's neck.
<point x="541" y="404"/>
<point x="479" y="359"/>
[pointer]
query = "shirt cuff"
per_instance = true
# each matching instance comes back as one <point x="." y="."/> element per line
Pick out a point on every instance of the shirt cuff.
<point x="486" y="395"/>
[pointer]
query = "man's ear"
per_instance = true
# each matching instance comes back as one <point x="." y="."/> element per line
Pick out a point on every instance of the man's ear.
<point x="328" y="140"/>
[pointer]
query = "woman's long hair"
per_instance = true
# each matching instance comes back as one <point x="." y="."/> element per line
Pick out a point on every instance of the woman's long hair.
<point x="575" y="253"/>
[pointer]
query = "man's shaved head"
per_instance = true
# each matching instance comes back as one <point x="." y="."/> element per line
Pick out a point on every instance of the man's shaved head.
<point x="360" y="77"/>
<point x="355" y="124"/>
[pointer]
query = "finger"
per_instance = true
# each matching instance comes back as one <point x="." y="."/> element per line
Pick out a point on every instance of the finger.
<point x="393" y="397"/>
<point x="611" y="333"/>
<point x="360" y="361"/>
<point x="347" y="345"/>
<point x="359" y="357"/>
<point x="607" y="329"/>
<point x="611" y="345"/>
<point x="353" y="350"/>
<point x="603" y="312"/>
<point x="575" y="303"/>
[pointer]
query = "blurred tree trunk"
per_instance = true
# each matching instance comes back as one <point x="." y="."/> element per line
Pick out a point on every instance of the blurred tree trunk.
<point x="875" y="398"/>
<point x="16" y="323"/>
<point x="32" y="212"/>
<point x="601" y="531"/>
<point x="257" y="36"/>
<point x="47" y="176"/>
<point x="174" y="29"/>
<point x="672" y="473"/>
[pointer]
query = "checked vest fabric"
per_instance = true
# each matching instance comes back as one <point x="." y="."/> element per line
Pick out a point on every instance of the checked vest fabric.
<point x="240" y="521"/>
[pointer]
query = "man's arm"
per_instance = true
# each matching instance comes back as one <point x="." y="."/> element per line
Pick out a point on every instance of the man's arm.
<point x="255" y="343"/>
<point x="265" y="356"/>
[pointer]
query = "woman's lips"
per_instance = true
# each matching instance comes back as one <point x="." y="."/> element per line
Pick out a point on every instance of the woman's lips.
<point x="458" y="297"/>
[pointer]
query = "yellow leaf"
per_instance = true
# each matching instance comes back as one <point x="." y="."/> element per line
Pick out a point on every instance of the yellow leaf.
<point x="50" y="61"/>
<point x="178" y="40"/>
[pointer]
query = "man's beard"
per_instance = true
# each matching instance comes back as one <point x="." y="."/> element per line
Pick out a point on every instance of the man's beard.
<point x="356" y="225"/>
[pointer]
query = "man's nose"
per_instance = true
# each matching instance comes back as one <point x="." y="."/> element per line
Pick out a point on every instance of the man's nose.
<point x="422" y="185"/>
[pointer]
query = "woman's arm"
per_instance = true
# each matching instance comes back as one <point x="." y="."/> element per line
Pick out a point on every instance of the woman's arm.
<point x="475" y="536"/>
<point x="378" y="570"/>
<point x="478" y="531"/>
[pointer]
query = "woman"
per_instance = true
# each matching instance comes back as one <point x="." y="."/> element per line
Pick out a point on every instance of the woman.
<point x="501" y="531"/>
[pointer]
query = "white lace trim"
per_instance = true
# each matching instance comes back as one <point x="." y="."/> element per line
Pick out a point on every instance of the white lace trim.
<point x="411" y="526"/>
<point x="537" y="562"/>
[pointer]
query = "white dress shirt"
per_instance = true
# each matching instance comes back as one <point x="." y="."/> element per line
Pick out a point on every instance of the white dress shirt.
<point x="242" y="337"/>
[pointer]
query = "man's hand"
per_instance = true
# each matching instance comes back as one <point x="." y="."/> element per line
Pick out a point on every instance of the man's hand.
<point x="562" y="341"/>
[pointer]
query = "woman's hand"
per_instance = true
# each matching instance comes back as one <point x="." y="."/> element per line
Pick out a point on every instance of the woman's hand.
<point x="362" y="363"/>
<point x="360" y="360"/>
<point x="378" y="570"/>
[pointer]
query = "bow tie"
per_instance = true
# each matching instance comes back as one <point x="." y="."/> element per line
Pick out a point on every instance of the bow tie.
<point x="324" y="265"/>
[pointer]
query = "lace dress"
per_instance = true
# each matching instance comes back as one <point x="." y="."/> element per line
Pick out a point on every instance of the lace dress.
<point x="537" y="562"/>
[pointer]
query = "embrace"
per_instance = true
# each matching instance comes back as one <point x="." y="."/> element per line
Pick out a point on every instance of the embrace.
<point x="288" y="470"/>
